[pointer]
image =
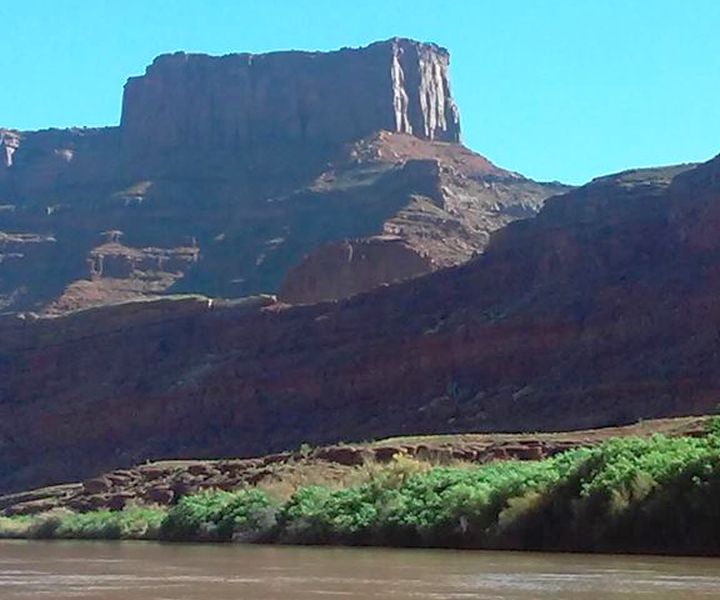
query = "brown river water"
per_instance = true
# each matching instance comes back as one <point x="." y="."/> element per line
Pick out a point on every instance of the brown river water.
<point x="152" y="571"/>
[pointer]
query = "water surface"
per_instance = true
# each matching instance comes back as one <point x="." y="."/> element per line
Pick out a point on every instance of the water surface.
<point x="152" y="571"/>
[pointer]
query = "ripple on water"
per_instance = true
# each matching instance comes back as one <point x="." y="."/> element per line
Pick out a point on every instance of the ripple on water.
<point x="161" y="572"/>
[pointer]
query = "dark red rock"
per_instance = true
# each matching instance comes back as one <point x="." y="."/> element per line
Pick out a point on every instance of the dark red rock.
<point x="153" y="473"/>
<point x="342" y="455"/>
<point x="340" y="269"/>
<point x="385" y="454"/>
<point x="88" y="503"/>
<point x="119" y="500"/>
<point x="463" y="454"/>
<point x="120" y="477"/>
<point x="31" y="507"/>
<point x="200" y="470"/>
<point x="96" y="486"/>
<point x="523" y="452"/>
<point x="160" y="494"/>
<point x="239" y="100"/>
<point x="275" y="458"/>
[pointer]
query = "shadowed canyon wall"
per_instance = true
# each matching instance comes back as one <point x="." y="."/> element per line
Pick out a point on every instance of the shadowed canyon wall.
<point x="238" y="167"/>
<point x="602" y="310"/>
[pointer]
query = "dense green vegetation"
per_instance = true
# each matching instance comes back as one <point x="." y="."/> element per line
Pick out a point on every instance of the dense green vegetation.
<point x="245" y="515"/>
<point x="655" y="494"/>
<point x="137" y="522"/>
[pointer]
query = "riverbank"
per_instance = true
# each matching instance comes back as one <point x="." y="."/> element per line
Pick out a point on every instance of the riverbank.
<point x="164" y="482"/>
<point x="656" y="495"/>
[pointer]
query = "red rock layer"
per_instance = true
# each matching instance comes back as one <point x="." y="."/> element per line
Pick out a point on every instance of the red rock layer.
<point x="322" y="98"/>
<point x="602" y="310"/>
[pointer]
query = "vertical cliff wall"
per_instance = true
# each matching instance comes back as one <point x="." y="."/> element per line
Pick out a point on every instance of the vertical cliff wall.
<point x="328" y="98"/>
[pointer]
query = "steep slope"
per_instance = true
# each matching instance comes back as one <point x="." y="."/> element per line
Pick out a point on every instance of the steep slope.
<point x="602" y="310"/>
<point x="225" y="172"/>
<point x="440" y="203"/>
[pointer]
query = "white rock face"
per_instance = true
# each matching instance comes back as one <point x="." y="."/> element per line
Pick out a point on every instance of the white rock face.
<point x="9" y="142"/>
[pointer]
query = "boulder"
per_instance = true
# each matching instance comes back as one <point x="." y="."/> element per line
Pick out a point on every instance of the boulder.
<point x="96" y="486"/>
<point x="160" y="494"/>
<point x="342" y="455"/>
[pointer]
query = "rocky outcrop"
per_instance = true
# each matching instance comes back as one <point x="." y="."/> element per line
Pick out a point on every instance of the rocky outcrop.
<point x="454" y="200"/>
<point x="341" y="269"/>
<point x="19" y="253"/>
<point x="43" y="166"/>
<point x="117" y="273"/>
<point x="115" y="260"/>
<point x="600" y="311"/>
<point x="440" y="200"/>
<point x="246" y="101"/>
<point x="9" y="142"/>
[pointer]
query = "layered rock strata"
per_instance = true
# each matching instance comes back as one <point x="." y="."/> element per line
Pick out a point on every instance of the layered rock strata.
<point x="602" y="310"/>
<point x="255" y="162"/>
<point x="243" y="101"/>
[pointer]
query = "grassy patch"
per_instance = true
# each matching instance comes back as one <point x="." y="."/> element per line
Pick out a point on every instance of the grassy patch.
<point x="134" y="523"/>
<point x="14" y="527"/>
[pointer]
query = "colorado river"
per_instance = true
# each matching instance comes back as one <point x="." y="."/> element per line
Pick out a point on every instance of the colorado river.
<point x="151" y="571"/>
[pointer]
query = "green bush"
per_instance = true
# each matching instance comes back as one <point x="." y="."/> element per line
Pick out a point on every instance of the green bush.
<point x="248" y="517"/>
<point x="14" y="527"/>
<point x="45" y="525"/>
<point x="613" y="497"/>
<point x="632" y="494"/>
<point x="219" y="515"/>
<point x="437" y="507"/>
<point x="101" y="524"/>
<point x="195" y="516"/>
<point x="134" y="523"/>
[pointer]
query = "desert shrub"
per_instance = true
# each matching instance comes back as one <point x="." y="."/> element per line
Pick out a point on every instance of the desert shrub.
<point x="395" y="473"/>
<point x="628" y="494"/>
<point x="316" y="514"/>
<point x="713" y="425"/>
<point x="14" y="527"/>
<point x="45" y="525"/>
<point x="219" y="515"/>
<point x="131" y="523"/>
<point x="305" y="450"/>
<point x="249" y="516"/>
<point x="350" y="512"/>
<point x="101" y="524"/>
<point x="195" y="516"/>
<point x="451" y="506"/>
<point x="302" y="518"/>
<point x="413" y="505"/>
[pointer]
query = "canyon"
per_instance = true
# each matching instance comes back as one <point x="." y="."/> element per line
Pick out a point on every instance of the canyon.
<point x="183" y="287"/>
<point x="600" y="311"/>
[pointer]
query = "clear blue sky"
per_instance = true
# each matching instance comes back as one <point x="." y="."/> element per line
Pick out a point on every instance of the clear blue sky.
<point x="554" y="89"/>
